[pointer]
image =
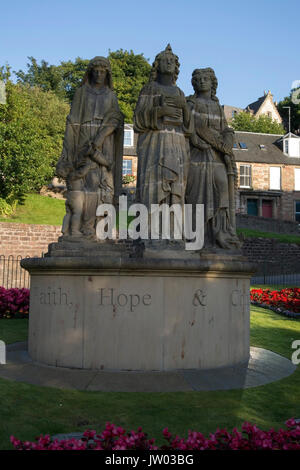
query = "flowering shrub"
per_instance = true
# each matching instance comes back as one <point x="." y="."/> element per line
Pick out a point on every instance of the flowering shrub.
<point x="13" y="301"/>
<point x="116" y="438"/>
<point x="127" y="179"/>
<point x="286" y="299"/>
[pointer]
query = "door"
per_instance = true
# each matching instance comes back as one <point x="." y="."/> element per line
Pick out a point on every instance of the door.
<point x="252" y="206"/>
<point x="267" y="209"/>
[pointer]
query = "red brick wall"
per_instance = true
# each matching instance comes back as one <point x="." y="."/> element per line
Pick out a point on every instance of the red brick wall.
<point x="26" y="239"/>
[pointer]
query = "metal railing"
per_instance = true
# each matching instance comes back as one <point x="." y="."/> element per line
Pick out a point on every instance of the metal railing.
<point x="273" y="273"/>
<point x="13" y="275"/>
<point x="11" y="272"/>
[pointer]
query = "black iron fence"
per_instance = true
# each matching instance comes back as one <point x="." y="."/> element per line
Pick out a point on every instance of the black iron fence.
<point x="11" y="273"/>
<point x="270" y="272"/>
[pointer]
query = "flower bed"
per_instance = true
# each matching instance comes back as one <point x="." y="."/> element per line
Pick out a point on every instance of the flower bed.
<point x="283" y="301"/>
<point x="116" y="438"/>
<point x="14" y="302"/>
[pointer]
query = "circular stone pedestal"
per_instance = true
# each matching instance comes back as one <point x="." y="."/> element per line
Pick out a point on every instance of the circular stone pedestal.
<point x="139" y="314"/>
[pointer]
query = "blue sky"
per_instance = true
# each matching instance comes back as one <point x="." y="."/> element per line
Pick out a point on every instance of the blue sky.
<point x="252" y="45"/>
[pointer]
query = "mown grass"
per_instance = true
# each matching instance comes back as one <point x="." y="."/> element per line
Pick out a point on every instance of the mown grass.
<point x="38" y="209"/>
<point x="27" y="411"/>
<point x="282" y="237"/>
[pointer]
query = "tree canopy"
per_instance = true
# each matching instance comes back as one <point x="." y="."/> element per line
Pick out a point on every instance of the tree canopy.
<point x="295" y="111"/>
<point x="264" y="124"/>
<point x="130" y="72"/>
<point x="32" y="124"/>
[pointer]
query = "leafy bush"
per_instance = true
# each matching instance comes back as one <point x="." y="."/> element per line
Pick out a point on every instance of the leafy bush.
<point x="116" y="438"/>
<point x="127" y="179"/>
<point x="14" y="302"/>
<point x="32" y="126"/>
<point x="7" y="209"/>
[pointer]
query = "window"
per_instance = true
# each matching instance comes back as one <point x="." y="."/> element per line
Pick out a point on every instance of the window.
<point x="127" y="167"/>
<point x="245" y="176"/>
<point x="286" y="146"/>
<point x="128" y="138"/>
<point x="297" y="211"/>
<point x="297" y="179"/>
<point x="275" y="177"/>
<point x="233" y="113"/>
<point x="235" y="146"/>
<point x="243" y="146"/>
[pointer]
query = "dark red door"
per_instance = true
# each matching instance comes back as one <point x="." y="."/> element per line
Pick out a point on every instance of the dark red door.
<point x="267" y="208"/>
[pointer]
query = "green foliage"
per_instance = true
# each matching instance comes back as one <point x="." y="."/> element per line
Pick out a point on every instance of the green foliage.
<point x="128" y="179"/>
<point x="5" y="72"/>
<point x="264" y="124"/>
<point x="31" y="132"/>
<point x="130" y="72"/>
<point x="6" y="209"/>
<point x="295" y="112"/>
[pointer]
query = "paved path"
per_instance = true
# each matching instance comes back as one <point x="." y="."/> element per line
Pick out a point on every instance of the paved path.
<point x="263" y="367"/>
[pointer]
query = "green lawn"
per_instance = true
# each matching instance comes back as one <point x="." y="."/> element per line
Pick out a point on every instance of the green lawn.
<point x="282" y="237"/>
<point x="27" y="410"/>
<point x="38" y="209"/>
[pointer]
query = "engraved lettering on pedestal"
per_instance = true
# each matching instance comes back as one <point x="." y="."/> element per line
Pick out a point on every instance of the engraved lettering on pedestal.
<point x="238" y="299"/>
<point x="200" y="298"/>
<point x="108" y="296"/>
<point x="54" y="297"/>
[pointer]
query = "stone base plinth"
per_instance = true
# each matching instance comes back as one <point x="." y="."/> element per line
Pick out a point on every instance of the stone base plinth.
<point x="139" y="314"/>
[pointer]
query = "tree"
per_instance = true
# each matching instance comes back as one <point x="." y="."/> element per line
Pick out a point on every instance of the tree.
<point x="295" y="112"/>
<point x="47" y="77"/>
<point x="32" y="126"/>
<point x="130" y="72"/>
<point x="264" y="124"/>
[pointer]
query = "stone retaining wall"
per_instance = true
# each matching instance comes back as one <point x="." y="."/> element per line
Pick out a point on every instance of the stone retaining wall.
<point x="26" y="239"/>
<point x="265" y="224"/>
<point x="272" y="256"/>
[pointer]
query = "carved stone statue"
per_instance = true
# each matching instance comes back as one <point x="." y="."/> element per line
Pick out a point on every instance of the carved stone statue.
<point x="92" y="143"/>
<point x="162" y="120"/>
<point x="212" y="173"/>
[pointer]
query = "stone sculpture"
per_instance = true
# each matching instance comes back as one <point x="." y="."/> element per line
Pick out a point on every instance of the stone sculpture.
<point x="91" y="150"/>
<point x="162" y="120"/>
<point x="212" y="173"/>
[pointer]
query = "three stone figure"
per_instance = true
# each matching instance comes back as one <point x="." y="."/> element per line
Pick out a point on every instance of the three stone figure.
<point x="184" y="149"/>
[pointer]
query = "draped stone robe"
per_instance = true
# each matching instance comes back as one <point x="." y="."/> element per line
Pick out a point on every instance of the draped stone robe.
<point x="162" y="148"/>
<point x="92" y="110"/>
<point x="208" y="178"/>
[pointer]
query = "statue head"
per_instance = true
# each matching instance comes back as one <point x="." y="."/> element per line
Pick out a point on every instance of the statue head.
<point x="211" y="80"/>
<point x="165" y="62"/>
<point x="96" y="63"/>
